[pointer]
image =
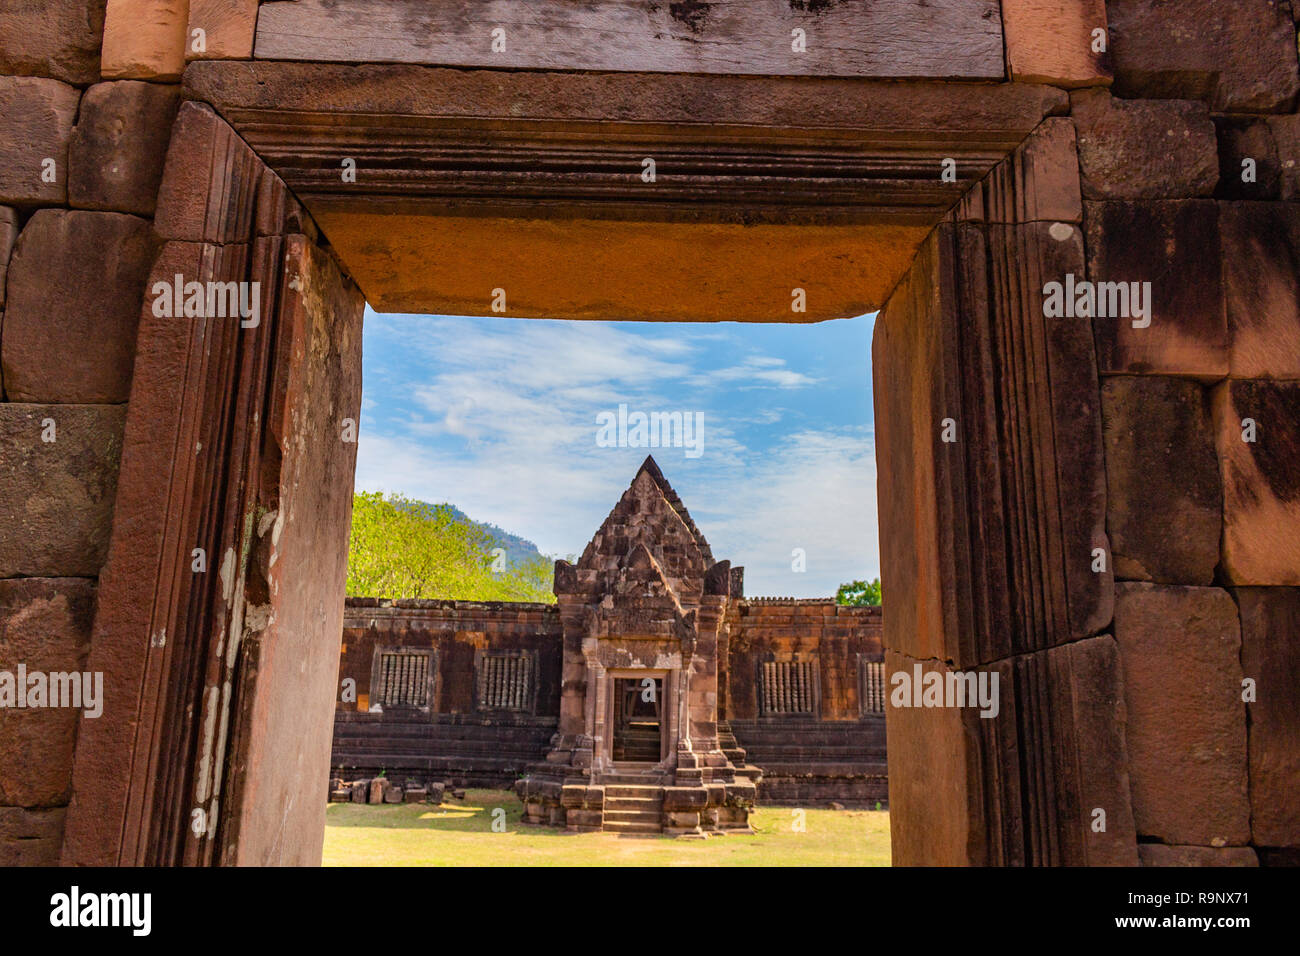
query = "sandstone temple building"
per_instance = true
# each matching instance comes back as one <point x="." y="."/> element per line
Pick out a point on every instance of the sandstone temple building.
<point x="652" y="696"/>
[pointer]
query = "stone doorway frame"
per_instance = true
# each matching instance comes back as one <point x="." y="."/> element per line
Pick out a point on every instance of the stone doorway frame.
<point x="959" y="333"/>
<point x="669" y="712"/>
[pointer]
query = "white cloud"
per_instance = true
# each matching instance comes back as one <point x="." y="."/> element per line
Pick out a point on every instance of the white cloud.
<point x="503" y="426"/>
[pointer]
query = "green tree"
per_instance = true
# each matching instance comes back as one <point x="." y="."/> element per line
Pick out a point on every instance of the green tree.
<point x="402" y="548"/>
<point x="859" y="593"/>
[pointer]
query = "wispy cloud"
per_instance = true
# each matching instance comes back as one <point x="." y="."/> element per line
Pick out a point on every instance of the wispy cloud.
<point x="498" y="417"/>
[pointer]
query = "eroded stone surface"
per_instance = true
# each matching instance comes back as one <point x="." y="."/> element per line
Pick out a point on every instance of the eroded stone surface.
<point x="76" y="284"/>
<point x="227" y="26"/>
<point x="115" y="158"/>
<point x="53" y="38"/>
<point x="30" y="837"/>
<point x="44" y="626"/>
<point x="1261" y="288"/>
<point x="36" y="117"/>
<point x="1162" y="479"/>
<point x="145" y="39"/>
<point x="1261" y="483"/>
<point x="1158" y="854"/>
<point x="1180" y="650"/>
<point x="1051" y="41"/>
<point x="56" y="497"/>
<point x="1242" y="61"/>
<point x="1171" y="250"/>
<point x="1270" y="655"/>
<point x="1144" y="149"/>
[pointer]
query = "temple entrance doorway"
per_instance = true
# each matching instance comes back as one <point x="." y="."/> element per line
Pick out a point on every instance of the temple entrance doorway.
<point x="638" y="727"/>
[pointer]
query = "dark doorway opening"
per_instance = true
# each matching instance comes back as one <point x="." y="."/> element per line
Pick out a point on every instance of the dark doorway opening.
<point x="637" y="719"/>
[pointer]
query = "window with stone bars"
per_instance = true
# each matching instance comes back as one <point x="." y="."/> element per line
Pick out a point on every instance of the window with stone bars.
<point x="789" y="687"/>
<point x="873" y="686"/>
<point x="403" y="680"/>
<point x="505" y="682"/>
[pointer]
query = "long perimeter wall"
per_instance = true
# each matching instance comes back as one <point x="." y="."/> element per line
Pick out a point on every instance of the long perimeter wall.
<point x="467" y="692"/>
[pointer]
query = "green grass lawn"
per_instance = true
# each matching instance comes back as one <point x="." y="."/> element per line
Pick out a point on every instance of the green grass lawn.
<point x="459" y="833"/>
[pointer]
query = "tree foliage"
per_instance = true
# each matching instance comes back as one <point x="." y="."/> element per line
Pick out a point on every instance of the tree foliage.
<point x="859" y="593"/>
<point x="402" y="548"/>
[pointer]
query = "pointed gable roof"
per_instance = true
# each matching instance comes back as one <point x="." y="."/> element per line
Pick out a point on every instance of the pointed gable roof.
<point x="651" y="467"/>
<point x="649" y="517"/>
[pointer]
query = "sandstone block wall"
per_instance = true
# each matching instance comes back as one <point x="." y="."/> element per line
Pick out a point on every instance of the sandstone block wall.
<point x="453" y="740"/>
<point x="1183" y="157"/>
<point x="81" y="157"/>
<point x="834" y="754"/>
<point x="1203" y="515"/>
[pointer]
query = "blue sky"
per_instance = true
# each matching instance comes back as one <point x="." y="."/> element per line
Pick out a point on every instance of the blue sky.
<point x="499" y="417"/>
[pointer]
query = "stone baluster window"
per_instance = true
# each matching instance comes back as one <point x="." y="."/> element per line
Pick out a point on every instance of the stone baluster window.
<point x="505" y="682"/>
<point x="789" y="687"/>
<point x="873" y="686"/>
<point x="403" y="680"/>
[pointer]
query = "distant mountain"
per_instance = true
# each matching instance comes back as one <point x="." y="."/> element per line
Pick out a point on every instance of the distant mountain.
<point x="517" y="549"/>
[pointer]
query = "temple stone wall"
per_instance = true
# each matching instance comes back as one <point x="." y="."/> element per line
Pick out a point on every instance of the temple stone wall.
<point x="454" y="738"/>
<point x="81" y="158"/>
<point x="836" y="754"/>
<point x="1180" y="155"/>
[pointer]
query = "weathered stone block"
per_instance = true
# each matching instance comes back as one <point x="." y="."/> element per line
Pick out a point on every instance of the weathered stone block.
<point x="1248" y="161"/>
<point x="1162" y="480"/>
<point x="1286" y="140"/>
<point x="1039" y="181"/>
<point x="76" y="283"/>
<point x="54" y="38"/>
<point x="360" y="791"/>
<point x="1171" y="250"/>
<point x="1144" y="149"/>
<point x="1240" y="58"/>
<point x="340" y="796"/>
<point x="583" y="821"/>
<point x="1261" y="483"/>
<point x="415" y="795"/>
<point x="378" y="785"/>
<point x="1158" y="854"/>
<point x="1051" y="41"/>
<point x="393" y="795"/>
<point x="44" y="625"/>
<point x="36" y="117"/>
<point x="1087" y="711"/>
<point x="1270" y="655"/>
<point x="115" y="157"/>
<point x="934" y="790"/>
<point x="1261" y="288"/>
<point x="30" y="837"/>
<point x="200" y="140"/>
<point x="145" y="39"/>
<point x="1180" y="650"/>
<point x="228" y="27"/>
<point x="8" y="236"/>
<point x="56" y="497"/>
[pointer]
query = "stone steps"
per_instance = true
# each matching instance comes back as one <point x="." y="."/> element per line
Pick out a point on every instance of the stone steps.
<point x="631" y="808"/>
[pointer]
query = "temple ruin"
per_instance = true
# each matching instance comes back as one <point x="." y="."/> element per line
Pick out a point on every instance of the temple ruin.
<point x="652" y="697"/>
